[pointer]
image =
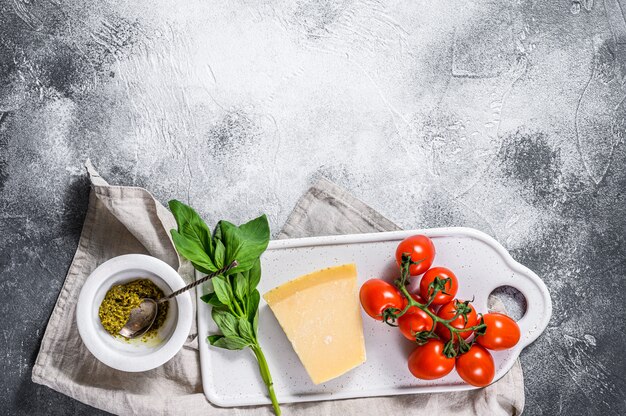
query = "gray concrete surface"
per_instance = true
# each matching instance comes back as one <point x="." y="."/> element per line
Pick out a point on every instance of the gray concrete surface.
<point x="507" y="116"/>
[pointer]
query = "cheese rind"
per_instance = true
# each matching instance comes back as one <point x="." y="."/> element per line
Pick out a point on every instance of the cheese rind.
<point x="320" y="315"/>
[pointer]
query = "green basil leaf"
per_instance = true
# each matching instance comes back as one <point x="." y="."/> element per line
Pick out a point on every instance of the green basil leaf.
<point x="233" y="242"/>
<point x="214" y="338"/>
<point x="211" y="299"/>
<point x="222" y="288"/>
<point x="231" y="343"/>
<point x="219" y="254"/>
<point x="254" y="298"/>
<point x="254" y="276"/>
<point x="245" y="330"/>
<point x="226" y="322"/>
<point x="256" y="231"/>
<point x="193" y="252"/>
<point x="241" y="286"/>
<point x="191" y="225"/>
<point x="255" y="236"/>
<point x="255" y="322"/>
<point x="217" y="232"/>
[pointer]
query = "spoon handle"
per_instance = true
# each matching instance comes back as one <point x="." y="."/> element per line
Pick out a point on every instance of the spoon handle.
<point x="198" y="282"/>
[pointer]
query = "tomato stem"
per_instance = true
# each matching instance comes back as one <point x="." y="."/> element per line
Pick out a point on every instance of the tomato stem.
<point x="453" y="349"/>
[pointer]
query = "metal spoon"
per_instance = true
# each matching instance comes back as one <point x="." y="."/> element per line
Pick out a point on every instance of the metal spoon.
<point x="142" y="317"/>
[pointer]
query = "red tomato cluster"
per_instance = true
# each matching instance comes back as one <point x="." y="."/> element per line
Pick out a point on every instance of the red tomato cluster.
<point x="436" y="355"/>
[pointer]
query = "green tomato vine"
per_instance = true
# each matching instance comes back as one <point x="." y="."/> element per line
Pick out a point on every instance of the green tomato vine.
<point x="456" y="345"/>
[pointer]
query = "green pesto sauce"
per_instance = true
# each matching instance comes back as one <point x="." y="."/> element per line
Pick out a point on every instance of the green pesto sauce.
<point x="121" y="299"/>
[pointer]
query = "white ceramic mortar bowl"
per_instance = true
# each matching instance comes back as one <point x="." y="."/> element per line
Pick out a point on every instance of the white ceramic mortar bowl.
<point x="133" y="355"/>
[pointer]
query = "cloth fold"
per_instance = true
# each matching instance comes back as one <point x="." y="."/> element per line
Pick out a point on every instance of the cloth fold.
<point x="123" y="220"/>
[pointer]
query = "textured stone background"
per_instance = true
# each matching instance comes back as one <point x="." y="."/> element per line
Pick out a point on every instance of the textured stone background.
<point x="507" y="116"/>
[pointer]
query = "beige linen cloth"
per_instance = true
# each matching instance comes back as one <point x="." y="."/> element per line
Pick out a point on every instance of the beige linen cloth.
<point x="124" y="220"/>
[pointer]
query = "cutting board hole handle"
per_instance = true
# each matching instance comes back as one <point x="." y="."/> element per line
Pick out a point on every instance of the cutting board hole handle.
<point x="513" y="300"/>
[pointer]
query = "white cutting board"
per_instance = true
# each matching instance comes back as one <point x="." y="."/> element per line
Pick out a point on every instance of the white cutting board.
<point x="231" y="378"/>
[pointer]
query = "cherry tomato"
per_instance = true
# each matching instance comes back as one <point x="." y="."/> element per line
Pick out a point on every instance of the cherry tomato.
<point x="448" y="311"/>
<point x="377" y="295"/>
<point x="476" y="366"/>
<point x="428" y="361"/>
<point x="502" y="332"/>
<point x="421" y="249"/>
<point x="451" y="287"/>
<point x="414" y="320"/>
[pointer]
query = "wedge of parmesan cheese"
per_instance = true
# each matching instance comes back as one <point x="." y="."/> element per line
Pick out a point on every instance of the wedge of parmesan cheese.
<point x="321" y="316"/>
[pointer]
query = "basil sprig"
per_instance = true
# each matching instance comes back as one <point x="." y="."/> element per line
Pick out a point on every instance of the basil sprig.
<point x="235" y="298"/>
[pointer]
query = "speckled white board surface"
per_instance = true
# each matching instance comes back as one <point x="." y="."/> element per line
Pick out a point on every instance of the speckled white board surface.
<point x="481" y="264"/>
